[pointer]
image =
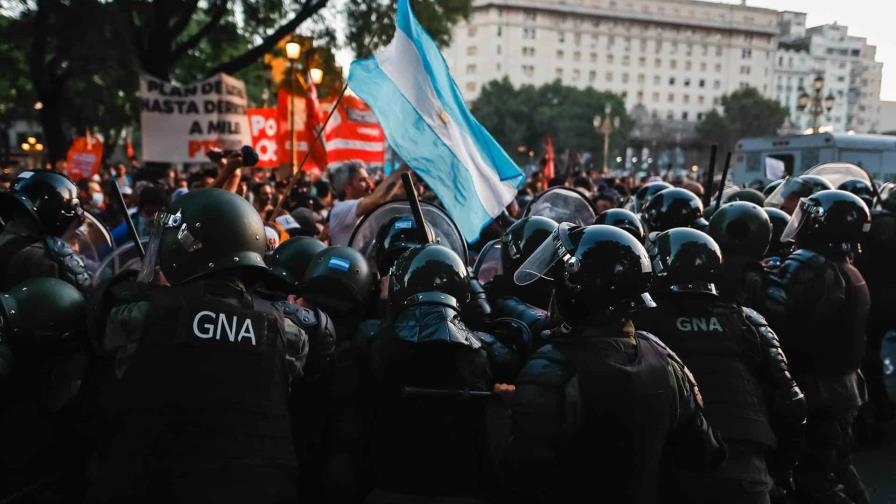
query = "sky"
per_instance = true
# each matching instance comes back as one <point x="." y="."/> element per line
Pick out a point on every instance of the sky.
<point x="872" y="19"/>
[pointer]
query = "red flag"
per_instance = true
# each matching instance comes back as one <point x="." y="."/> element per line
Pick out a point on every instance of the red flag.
<point x="313" y="125"/>
<point x="84" y="157"/>
<point x="354" y="134"/>
<point x="548" y="158"/>
<point x="263" y="127"/>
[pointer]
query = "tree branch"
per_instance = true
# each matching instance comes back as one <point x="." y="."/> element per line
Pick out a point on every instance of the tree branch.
<point x="181" y="23"/>
<point x="309" y="8"/>
<point x="214" y="20"/>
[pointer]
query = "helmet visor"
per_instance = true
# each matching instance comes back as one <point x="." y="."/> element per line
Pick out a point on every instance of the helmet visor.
<point x="562" y="204"/>
<point x="488" y="264"/>
<point x="838" y="173"/>
<point x="796" y="222"/>
<point x="787" y="195"/>
<point x="539" y="264"/>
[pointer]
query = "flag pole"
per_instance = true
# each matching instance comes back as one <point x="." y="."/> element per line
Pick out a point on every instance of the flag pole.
<point x="317" y="139"/>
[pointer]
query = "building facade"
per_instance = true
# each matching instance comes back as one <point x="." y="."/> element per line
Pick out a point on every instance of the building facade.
<point x="674" y="58"/>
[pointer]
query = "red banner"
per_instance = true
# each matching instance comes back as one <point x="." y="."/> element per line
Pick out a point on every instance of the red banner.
<point x="84" y="157"/>
<point x="354" y="134"/>
<point x="265" y="139"/>
<point x="300" y="115"/>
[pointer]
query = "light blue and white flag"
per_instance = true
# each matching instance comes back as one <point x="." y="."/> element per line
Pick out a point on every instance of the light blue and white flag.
<point x="422" y="112"/>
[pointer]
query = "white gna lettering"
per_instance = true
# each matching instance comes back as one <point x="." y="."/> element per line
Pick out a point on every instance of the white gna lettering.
<point x="689" y="324"/>
<point x="210" y="325"/>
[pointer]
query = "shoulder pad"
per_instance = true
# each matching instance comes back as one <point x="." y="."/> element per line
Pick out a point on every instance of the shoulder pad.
<point x="546" y="367"/>
<point x="300" y="316"/>
<point x="71" y="265"/>
<point x="692" y="382"/>
<point x="807" y="257"/>
<point x="754" y="317"/>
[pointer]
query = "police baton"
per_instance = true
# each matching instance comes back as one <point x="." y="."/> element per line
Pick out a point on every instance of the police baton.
<point x="423" y="233"/>
<point x="724" y="179"/>
<point x="707" y="192"/>
<point x="412" y="392"/>
<point x="132" y="230"/>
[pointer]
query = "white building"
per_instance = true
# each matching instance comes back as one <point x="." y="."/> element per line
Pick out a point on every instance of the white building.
<point x="847" y="65"/>
<point x="675" y="57"/>
<point x="887" y="117"/>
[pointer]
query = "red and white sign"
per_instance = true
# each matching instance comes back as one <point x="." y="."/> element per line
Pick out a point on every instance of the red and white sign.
<point x="354" y="134"/>
<point x="263" y="126"/>
<point x="84" y="157"/>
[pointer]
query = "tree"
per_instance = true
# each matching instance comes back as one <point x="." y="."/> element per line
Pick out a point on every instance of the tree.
<point x="370" y="23"/>
<point x="520" y="118"/>
<point x="745" y="113"/>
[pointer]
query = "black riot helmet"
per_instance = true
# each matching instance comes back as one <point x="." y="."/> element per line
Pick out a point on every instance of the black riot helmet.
<point x="673" y="208"/>
<point x="861" y="189"/>
<point x="779" y="220"/>
<point x="291" y="259"/>
<point x="338" y="280"/>
<point x="888" y="197"/>
<point x="42" y="311"/>
<point x="749" y="195"/>
<point x="741" y="229"/>
<point x="622" y="219"/>
<point x="393" y="239"/>
<point x="770" y="188"/>
<point x="686" y="260"/>
<point x="50" y="198"/>
<point x="429" y="273"/>
<point x="647" y="192"/>
<point x="788" y="194"/>
<point x="600" y="273"/>
<point x="828" y="220"/>
<point x="523" y="238"/>
<point x="206" y="231"/>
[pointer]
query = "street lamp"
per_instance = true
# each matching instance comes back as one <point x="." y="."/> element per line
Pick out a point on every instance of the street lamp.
<point x="293" y="51"/>
<point x="814" y="104"/>
<point x="33" y="148"/>
<point x="606" y="125"/>
<point x="317" y="76"/>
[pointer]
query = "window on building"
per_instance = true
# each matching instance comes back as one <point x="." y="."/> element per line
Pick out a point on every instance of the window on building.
<point x="471" y="69"/>
<point x="576" y="56"/>
<point x="625" y="60"/>
<point x="625" y="78"/>
<point x="529" y="33"/>
<point x="699" y="116"/>
<point x="593" y="57"/>
<point x="744" y="70"/>
<point x="609" y="58"/>
<point x="688" y="49"/>
<point x="471" y="86"/>
<point x="746" y="53"/>
<point x="559" y="72"/>
<point x="658" y="46"/>
<point x="671" y="81"/>
<point x="576" y="74"/>
<point x="471" y="51"/>
<point x="577" y="38"/>
<point x="655" y="97"/>
<point x="717" y="84"/>
<point x="640" y="78"/>
<point x="656" y="80"/>
<point x="673" y="64"/>
<point x="559" y="54"/>
<point x="687" y="65"/>
<point x="498" y="48"/>
<point x="610" y="40"/>
<point x="609" y="77"/>
<point x="670" y="115"/>
<point x="717" y="101"/>
<point x="718" y="50"/>
<point x="531" y="16"/>
<point x="499" y="30"/>
<point x="561" y="37"/>
<point x="671" y="98"/>
<point x="686" y="98"/>
<point x="592" y="75"/>
<point x="471" y="31"/>
<point x="657" y="62"/>
<point x="654" y="114"/>
<point x="528" y="70"/>
<point x="701" y="99"/>
<point x="684" y="115"/>
<point x="642" y="62"/>
<point x="673" y="48"/>
<point x="702" y="66"/>
<point x="687" y="82"/>
<point x="704" y="50"/>
<point x="718" y="67"/>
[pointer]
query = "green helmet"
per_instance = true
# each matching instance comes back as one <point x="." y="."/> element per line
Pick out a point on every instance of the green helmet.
<point x="686" y="260"/>
<point x="523" y="238"/>
<point x="741" y="229"/>
<point x="41" y="311"/>
<point x="393" y="239"/>
<point x="429" y="273"/>
<point x="749" y="195"/>
<point x="206" y="231"/>
<point x="291" y="259"/>
<point x="338" y="279"/>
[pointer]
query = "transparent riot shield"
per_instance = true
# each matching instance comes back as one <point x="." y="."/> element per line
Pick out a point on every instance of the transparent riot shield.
<point x="125" y="257"/>
<point x="488" y="264"/>
<point x="838" y="173"/>
<point x="446" y="232"/>
<point x="92" y="241"/>
<point x="562" y="204"/>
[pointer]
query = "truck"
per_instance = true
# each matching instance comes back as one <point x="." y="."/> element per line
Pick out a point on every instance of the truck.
<point x="798" y="153"/>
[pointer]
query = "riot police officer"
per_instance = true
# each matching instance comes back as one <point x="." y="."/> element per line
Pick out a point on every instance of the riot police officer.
<point x="623" y="219"/>
<point x="644" y="195"/>
<point x="43" y="360"/>
<point x="742" y="231"/>
<point x="819" y="304"/>
<point x="203" y="367"/>
<point x="736" y="359"/>
<point x="596" y="406"/>
<point x="429" y="433"/>
<point x="41" y="207"/>
<point x="876" y="264"/>
<point x="777" y="250"/>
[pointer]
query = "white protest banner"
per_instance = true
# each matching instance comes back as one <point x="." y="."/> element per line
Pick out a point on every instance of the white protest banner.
<point x="180" y="122"/>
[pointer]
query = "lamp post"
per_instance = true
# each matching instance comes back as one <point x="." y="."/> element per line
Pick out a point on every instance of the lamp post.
<point x="34" y="149"/>
<point x="293" y="51"/>
<point x="815" y="105"/>
<point x="606" y="125"/>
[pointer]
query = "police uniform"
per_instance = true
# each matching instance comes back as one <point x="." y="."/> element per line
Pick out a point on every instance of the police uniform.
<point x="200" y="409"/>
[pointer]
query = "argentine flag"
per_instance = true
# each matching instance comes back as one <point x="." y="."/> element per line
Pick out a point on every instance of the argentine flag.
<point x="409" y="88"/>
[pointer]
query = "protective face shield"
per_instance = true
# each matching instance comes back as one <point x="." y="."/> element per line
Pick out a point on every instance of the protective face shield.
<point x="838" y="173"/>
<point x="150" y="268"/>
<point x="125" y="257"/>
<point x="92" y="240"/>
<point x="557" y="248"/>
<point x="802" y="212"/>
<point x="562" y="204"/>
<point x="489" y="264"/>
<point x="787" y="196"/>
<point x="444" y="229"/>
